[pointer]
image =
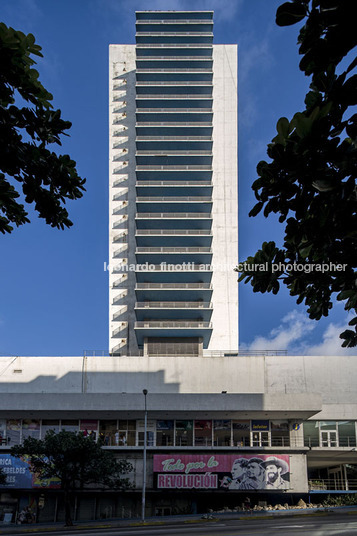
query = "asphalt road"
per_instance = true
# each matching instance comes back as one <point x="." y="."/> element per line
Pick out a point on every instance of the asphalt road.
<point x="341" y="525"/>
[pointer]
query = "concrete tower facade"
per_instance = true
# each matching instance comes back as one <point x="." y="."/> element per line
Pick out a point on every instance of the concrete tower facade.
<point x="173" y="189"/>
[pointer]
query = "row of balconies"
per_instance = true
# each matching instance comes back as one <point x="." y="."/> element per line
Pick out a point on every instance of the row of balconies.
<point x="174" y="250"/>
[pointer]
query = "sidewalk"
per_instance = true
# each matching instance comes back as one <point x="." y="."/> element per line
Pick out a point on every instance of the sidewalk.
<point x="173" y="520"/>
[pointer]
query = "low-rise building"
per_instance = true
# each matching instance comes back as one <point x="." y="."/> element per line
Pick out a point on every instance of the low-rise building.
<point x="219" y="426"/>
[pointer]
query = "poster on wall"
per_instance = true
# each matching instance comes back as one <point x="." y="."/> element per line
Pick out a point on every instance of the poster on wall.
<point x="222" y="472"/>
<point x="19" y="476"/>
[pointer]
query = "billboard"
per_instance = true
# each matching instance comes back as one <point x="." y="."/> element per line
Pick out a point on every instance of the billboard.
<point x="222" y="471"/>
<point x="19" y="476"/>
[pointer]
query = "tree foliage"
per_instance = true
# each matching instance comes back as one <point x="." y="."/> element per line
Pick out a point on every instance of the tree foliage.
<point x="77" y="461"/>
<point x="28" y="125"/>
<point x="310" y="181"/>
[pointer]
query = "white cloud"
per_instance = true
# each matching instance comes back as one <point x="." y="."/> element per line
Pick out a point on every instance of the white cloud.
<point x="292" y="335"/>
<point x="293" y="326"/>
<point x="331" y="343"/>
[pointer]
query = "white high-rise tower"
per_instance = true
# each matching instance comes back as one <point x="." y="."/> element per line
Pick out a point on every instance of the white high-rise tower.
<point x="173" y="188"/>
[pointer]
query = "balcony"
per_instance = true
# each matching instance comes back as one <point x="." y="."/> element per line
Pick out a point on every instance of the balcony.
<point x="173" y="96"/>
<point x="173" y="215"/>
<point x="196" y="57"/>
<point x="173" y="124"/>
<point x="174" y="167"/>
<point x="173" y="328"/>
<point x="173" y="305"/>
<point x="175" y="21"/>
<point x="174" y="83"/>
<point x="173" y="310"/>
<point x="173" y="138"/>
<point x="173" y="152"/>
<point x="173" y="286"/>
<point x="173" y="250"/>
<point x="174" y="199"/>
<point x="174" y="291"/>
<point x="173" y="34"/>
<point x="159" y="184"/>
<point x="171" y="45"/>
<point x="174" y="110"/>
<point x="173" y="232"/>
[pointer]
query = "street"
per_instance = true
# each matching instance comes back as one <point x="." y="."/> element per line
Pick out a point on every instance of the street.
<point x="345" y="525"/>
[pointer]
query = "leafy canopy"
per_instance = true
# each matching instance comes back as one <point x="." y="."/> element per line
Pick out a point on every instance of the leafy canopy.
<point x="310" y="181"/>
<point x="28" y="125"/>
<point x="77" y="461"/>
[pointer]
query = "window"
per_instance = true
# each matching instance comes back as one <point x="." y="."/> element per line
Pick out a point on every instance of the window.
<point x="280" y="436"/>
<point x="260" y="433"/>
<point x="260" y="439"/>
<point x="222" y="433"/>
<point x="13" y="431"/>
<point x="328" y="434"/>
<point x="48" y="425"/>
<point x="70" y="425"/>
<point x="127" y="430"/>
<point x="311" y="433"/>
<point x="184" y="434"/>
<point x="347" y="434"/>
<point x="89" y="428"/>
<point x="150" y="432"/>
<point x="3" y="440"/>
<point x="164" y="433"/>
<point x="30" y="428"/>
<point x="107" y="430"/>
<point x="241" y="433"/>
<point x="203" y="433"/>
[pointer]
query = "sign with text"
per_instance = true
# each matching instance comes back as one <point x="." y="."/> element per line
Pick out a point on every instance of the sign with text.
<point x="221" y="471"/>
<point x="19" y="476"/>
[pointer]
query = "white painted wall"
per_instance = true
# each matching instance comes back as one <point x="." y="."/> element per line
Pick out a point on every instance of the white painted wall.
<point x="122" y="170"/>
<point x="225" y="199"/>
<point x="334" y="378"/>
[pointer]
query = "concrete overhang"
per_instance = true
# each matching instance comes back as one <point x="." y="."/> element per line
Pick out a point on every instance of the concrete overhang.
<point x="160" y="406"/>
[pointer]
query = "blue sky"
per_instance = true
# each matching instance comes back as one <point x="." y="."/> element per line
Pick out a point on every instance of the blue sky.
<point x="54" y="291"/>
